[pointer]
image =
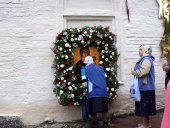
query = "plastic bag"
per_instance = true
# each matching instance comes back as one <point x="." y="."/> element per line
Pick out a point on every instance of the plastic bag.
<point x="134" y="90"/>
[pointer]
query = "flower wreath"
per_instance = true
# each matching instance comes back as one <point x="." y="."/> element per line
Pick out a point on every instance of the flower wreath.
<point x="66" y="89"/>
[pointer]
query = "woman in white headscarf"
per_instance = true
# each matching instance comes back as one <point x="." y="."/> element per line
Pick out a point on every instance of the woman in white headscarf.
<point x="97" y="91"/>
<point x="144" y="71"/>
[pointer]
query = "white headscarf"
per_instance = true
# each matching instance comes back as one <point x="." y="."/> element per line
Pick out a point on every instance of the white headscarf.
<point x="88" y="60"/>
<point x="147" y="50"/>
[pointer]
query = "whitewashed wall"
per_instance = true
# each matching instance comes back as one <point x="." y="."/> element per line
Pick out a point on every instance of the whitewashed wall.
<point x="28" y="28"/>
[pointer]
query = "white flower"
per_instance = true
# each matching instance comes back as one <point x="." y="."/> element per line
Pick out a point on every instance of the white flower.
<point x="70" y="88"/>
<point x="72" y="39"/>
<point x="107" y="89"/>
<point x="105" y="75"/>
<point x="70" y="68"/>
<point x="112" y="89"/>
<point x="60" y="48"/>
<point x="106" y="45"/>
<point x="72" y="95"/>
<point x="58" y="85"/>
<point x="110" y="94"/>
<point x="75" y="88"/>
<point x="106" y="59"/>
<point x="103" y="51"/>
<point x="69" y="50"/>
<point x="103" y="56"/>
<point x="85" y="32"/>
<point x="111" y="69"/>
<point x="80" y="36"/>
<point x="64" y="81"/>
<point x="106" y="48"/>
<point x="113" y="53"/>
<point x="69" y="83"/>
<point x="75" y="45"/>
<point x="61" y="92"/>
<point x="64" y="71"/>
<point x="67" y="45"/>
<point x="62" y="65"/>
<point x="62" y="56"/>
<point x="101" y="62"/>
<point x="91" y="30"/>
<point x="107" y="69"/>
<point x="62" y="78"/>
<point x="98" y="42"/>
<point x="111" y="56"/>
<point x="72" y="35"/>
<point x="71" y="29"/>
<point x="82" y="41"/>
<point x="75" y="103"/>
<point x="89" y="36"/>
<point x="64" y="33"/>
<point x="58" y="98"/>
<point x="73" y="85"/>
<point x="75" y="38"/>
<point x="65" y="51"/>
<point x="66" y="57"/>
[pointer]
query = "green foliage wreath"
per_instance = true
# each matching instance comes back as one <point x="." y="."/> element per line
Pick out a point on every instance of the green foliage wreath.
<point x="66" y="89"/>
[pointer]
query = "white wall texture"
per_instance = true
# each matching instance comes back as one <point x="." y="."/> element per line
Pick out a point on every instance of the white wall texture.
<point x="28" y="28"/>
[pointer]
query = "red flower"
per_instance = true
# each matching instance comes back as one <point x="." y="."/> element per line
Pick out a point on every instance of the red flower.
<point x="85" y="39"/>
<point x="79" y="84"/>
<point x="62" y="81"/>
<point x="106" y="29"/>
<point x="68" y="55"/>
<point x="59" y="36"/>
<point x="107" y="54"/>
<point x="67" y="88"/>
<point x="78" y="92"/>
<point x="107" y="39"/>
<point x="103" y="46"/>
<point x="68" y="63"/>
<point x="104" y="65"/>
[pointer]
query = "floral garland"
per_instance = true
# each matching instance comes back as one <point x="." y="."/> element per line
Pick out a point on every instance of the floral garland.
<point x="66" y="88"/>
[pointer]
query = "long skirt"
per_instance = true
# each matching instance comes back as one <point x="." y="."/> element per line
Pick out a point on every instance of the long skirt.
<point x="147" y="105"/>
<point x="98" y="105"/>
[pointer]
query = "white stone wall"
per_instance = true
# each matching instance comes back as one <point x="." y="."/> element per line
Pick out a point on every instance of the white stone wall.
<point x="28" y="28"/>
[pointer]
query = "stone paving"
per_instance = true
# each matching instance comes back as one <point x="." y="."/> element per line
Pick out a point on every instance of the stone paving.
<point x="122" y="119"/>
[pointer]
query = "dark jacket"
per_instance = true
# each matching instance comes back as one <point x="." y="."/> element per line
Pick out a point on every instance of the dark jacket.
<point x="167" y="78"/>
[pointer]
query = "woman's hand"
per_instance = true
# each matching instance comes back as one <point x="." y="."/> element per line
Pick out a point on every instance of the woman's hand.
<point x="132" y="71"/>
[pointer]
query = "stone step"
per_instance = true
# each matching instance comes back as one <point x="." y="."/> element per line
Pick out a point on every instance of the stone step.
<point x="10" y="122"/>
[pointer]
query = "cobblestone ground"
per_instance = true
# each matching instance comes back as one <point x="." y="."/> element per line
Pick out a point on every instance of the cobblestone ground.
<point x="119" y="122"/>
<point x="124" y="121"/>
